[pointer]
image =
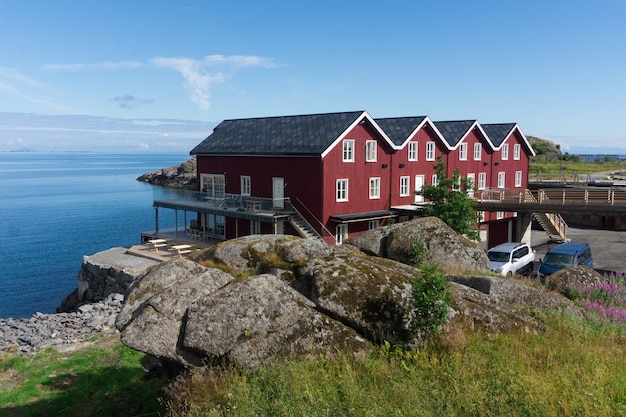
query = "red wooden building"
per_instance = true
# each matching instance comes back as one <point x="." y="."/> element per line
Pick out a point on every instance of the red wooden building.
<point x="335" y="175"/>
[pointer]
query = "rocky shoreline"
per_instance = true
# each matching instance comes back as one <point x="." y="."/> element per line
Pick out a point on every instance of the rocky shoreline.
<point x="27" y="335"/>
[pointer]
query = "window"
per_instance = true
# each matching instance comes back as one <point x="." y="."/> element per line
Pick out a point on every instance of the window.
<point x="375" y="187"/>
<point x="213" y="185"/>
<point x="342" y="190"/>
<point x="245" y="185"/>
<point x="477" y="151"/>
<point x="370" y="151"/>
<point x="482" y="180"/>
<point x="430" y="151"/>
<point x="373" y="224"/>
<point x="501" y="177"/>
<point x="499" y="215"/>
<point x="255" y="227"/>
<point x="481" y="215"/>
<point x="435" y="180"/>
<point x="463" y="152"/>
<point x="505" y="151"/>
<point x="518" y="178"/>
<point x="516" y="151"/>
<point x="404" y="186"/>
<point x="471" y="184"/>
<point x="348" y="150"/>
<point x="341" y="233"/>
<point x="412" y="151"/>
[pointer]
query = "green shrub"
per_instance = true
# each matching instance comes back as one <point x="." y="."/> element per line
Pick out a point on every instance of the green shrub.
<point x="431" y="300"/>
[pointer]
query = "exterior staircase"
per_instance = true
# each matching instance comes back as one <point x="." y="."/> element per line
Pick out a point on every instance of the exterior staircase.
<point x="303" y="227"/>
<point x="552" y="223"/>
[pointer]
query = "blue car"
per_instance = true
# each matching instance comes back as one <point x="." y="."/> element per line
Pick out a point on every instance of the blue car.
<point x="564" y="255"/>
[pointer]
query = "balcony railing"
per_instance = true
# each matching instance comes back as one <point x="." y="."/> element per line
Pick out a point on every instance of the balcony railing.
<point x="225" y="201"/>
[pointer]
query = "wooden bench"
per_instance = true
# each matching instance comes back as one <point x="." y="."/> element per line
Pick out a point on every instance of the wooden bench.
<point x="157" y="243"/>
<point x="181" y="250"/>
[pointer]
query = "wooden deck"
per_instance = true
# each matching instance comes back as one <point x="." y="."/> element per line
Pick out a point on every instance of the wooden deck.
<point x="167" y="250"/>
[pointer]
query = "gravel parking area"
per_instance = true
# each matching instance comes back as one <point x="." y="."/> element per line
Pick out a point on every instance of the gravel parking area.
<point x="608" y="247"/>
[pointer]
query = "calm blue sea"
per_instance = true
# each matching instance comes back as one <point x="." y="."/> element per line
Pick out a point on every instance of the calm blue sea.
<point x="57" y="207"/>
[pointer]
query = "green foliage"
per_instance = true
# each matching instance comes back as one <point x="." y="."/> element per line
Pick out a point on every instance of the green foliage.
<point x="93" y="382"/>
<point x="417" y="250"/>
<point x="571" y="369"/>
<point x="450" y="201"/>
<point x="431" y="300"/>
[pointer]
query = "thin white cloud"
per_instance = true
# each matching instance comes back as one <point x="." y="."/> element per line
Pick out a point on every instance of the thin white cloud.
<point x="14" y="75"/>
<point x="198" y="78"/>
<point x="107" y="65"/>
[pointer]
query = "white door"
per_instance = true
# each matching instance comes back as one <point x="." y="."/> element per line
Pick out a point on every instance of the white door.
<point x="471" y="177"/>
<point x="419" y="184"/>
<point x="278" y="192"/>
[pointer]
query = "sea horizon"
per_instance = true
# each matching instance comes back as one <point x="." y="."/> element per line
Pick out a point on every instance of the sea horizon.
<point x="57" y="207"/>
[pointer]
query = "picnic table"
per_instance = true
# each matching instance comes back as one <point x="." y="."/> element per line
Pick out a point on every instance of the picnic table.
<point x="181" y="250"/>
<point x="157" y="243"/>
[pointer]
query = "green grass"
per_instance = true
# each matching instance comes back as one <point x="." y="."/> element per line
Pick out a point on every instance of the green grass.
<point x="97" y="381"/>
<point x="572" y="369"/>
<point x="553" y="168"/>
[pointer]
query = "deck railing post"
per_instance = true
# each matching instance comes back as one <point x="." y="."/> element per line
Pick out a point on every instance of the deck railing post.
<point x="586" y="197"/>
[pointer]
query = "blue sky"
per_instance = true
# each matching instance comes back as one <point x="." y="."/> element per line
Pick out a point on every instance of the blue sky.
<point x="158" y="75"/>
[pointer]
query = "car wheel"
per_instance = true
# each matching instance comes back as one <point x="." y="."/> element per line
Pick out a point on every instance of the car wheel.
<point x="509" y="274"/>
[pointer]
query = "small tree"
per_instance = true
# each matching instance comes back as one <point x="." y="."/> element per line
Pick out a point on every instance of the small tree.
<point x="450" y="201"/>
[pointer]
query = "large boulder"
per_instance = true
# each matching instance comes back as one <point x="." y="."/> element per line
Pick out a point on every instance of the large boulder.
<point x="573" y="276"/>
<point x="428" y="238"/>
<point x="496" y="304"/>
<point x="153" y="318"/>
<point x="249" y="321"/>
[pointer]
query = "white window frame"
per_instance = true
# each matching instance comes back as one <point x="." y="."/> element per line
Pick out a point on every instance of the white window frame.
<point x="246" y="185"/>
<point x="341" y="190"/>
<point x="374" y="188"/>
<point x="405" y="186"/>
<point x="213" y="185"/>
<point x="430" y="151"/>
<point x="501" y="179"/>
<point x="348" y="150"/>
<point x="518" y="178"/>
<point x="471" y="184"/>
<point x="499" y="215"/>
<point x="373" y="224"/>
<point x="517" y="148"/>
<point x="341" y="233"/>
<point x="412" y="151"/>
<point x="482" y="181"/>
<point x="478" y="150"/>
<point x="255" y="227"/>
<point x="370" y="150"/>
<point x="463" y="151"/>
<point x="435" y="180"/>
<point x="505" y="152"/>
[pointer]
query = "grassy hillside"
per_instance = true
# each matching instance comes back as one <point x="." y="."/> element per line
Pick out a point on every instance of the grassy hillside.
<point x="551" y="164"/>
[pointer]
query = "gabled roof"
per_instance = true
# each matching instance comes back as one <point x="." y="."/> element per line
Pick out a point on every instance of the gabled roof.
<point x="400" y="129"/>
<point x="283" y="135"/>
<point x="455" y="131"/>
<point x="499" y="132"/>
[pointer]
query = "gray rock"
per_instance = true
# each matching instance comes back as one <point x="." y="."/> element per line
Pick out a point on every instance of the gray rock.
<point x="441" y="245"/>
<point x="153" y="318"/>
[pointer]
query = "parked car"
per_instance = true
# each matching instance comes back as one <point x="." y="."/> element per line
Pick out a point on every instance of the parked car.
<point x="511" y="258"/>
<point x="566" y="254"/>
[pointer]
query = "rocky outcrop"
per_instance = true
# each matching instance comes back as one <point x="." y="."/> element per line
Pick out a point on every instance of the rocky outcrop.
<point x="180" y="176"/>
<point x="108" y="272"/>
<point x="428" y="238"/>
<point x="579" y="274"/>
<point x="275" y="296"/>
<point x="59" y="330"/>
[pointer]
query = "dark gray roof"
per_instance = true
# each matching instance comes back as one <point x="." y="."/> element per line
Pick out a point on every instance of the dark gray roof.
<point x="498" y="132"/>
<point x="453" y="131"/>
<point x="284" y="135"/>
<point x="398" y="129"/>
